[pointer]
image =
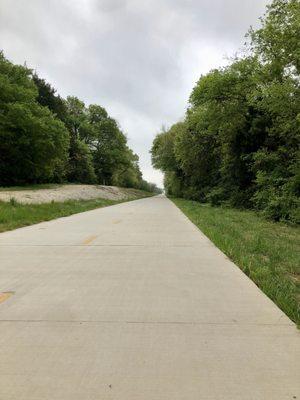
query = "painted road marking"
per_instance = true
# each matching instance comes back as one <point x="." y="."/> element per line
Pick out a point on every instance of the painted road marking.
<point x="5" y="295"/>
<point x="89" y="239"/>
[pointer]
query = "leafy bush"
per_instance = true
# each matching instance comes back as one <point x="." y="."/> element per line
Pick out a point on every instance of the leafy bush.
<point x="216" y="196"/>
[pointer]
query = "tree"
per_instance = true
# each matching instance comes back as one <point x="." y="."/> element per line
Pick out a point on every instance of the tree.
<point x="240" y="141"/>
<point x="33" y="142"/>
<point x="277" y="41"/>
<point x="47" y="97"/>
<point x="80" y="169"/>
<point x="44" y="138"/>
<point x="108" y="143"/>
<point x="80" y="166"/>
<point x="164" y="158"/>
<point x="276" y="164"/>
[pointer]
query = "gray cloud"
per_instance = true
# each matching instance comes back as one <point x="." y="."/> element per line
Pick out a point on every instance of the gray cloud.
<point x="139" y="59"/>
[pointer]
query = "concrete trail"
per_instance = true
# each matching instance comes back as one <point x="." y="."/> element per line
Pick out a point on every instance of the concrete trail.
<point x="133" y="302"/>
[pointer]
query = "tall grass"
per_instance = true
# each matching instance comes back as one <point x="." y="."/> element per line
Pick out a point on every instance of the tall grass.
<point x="269" y="253"/>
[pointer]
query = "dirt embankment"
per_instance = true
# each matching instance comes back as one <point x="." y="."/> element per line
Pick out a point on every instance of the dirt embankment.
<point x="69" y="192"/>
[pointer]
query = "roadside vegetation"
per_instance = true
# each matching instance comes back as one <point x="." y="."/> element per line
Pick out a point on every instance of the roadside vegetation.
<point x="268" y="252"/>
<point x="233" y="163"/>
<point x="239" y="143"/>
<point x="47" y="139"/>
<point x="15" y="215"/>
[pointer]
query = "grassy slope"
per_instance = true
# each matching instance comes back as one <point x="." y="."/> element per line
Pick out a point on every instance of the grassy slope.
<point x="269" y="253"/>
<point x="15" y="215"/>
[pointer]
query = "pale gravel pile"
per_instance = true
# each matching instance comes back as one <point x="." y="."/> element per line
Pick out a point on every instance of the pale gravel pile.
<point x="67" y="192"/>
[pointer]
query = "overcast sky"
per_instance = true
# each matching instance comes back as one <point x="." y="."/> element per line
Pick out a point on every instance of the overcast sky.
<point x="138" y="58"/>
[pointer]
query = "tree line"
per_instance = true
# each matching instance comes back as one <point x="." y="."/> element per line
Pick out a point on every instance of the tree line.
<point x="239" y="142"/>
<point x="45" y="138"/>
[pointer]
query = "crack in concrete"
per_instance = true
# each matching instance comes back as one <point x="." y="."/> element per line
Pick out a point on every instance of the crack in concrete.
<point x="146" y="322"/>
<point x="95" y="245"/>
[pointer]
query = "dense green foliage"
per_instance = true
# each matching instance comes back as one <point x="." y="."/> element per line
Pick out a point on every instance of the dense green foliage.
<point x="268" y="252"/>
<point x="33" y="143"/>
<point x="44" y="138"/>
<point x="239" y="143"/>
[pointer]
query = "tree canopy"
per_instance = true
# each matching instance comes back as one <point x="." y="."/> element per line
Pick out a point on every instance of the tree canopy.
<point x="45" y="138"/>
<point x="240" y="139"/>
<point x="33" y="143"/>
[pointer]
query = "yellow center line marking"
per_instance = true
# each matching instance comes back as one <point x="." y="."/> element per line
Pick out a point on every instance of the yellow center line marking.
<point x="89" y="239"/>
<point x="5" y="295"/>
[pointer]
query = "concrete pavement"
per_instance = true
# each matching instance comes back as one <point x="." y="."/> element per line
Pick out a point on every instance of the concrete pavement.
<point x="133" y="302"/>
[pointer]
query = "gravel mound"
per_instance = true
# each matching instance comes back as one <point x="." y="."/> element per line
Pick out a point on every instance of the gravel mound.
<point x="67" y="192"/>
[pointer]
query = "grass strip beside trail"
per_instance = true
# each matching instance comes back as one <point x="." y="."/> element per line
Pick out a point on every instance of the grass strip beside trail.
<point x="269" y="253"/>
<point x="15" y="215"/>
